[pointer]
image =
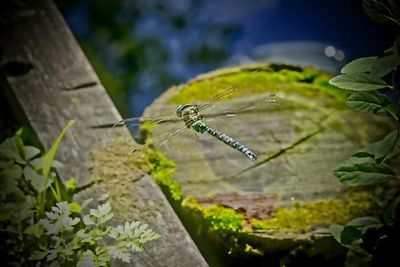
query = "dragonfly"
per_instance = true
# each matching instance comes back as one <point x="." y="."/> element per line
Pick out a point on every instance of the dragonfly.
<point x="194" y="117"/>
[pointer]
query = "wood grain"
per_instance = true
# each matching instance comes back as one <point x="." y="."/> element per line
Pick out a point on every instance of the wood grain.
<point x="62" y="86"/>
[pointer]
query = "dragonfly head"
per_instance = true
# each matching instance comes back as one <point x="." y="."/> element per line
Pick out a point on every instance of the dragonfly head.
<point x="189" y="113"/>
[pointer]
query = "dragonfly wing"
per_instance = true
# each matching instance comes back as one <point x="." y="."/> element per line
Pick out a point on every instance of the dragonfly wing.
<point x="137" y="125"/>
<point x="229" y="92"/>
<point x="269" y="101"/>
<point x="178" y="142"/>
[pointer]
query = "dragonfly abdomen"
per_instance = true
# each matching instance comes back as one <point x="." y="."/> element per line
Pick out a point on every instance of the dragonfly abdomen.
<point x="201" y="127"/>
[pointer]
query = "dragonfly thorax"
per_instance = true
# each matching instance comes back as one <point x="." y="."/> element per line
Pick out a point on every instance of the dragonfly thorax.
<point x="189" y="113"/>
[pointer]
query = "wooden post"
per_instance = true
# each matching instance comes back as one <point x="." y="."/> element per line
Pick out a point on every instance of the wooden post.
<point x="61" y="86"/>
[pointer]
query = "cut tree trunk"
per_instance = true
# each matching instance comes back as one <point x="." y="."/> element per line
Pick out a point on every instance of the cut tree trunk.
<point x="59" y="84"/>
<point x="299" y="127"/>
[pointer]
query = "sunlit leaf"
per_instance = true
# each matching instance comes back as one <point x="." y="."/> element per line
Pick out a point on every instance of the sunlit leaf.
<point x="30" y="152"/>
<point x="38" y="255"/>
<point x="371" y="102"/>
<point x="358" y="82"/>
<point x="384" y="65"/>
<point x="365" y="223"/>
<point x="89" y="220"/>
<point x="364" y="174"/>
<point x="36" y="180"/>
<point x="37" y="163"/>
<point x="336" y="231"/>
<point x="75" y="207"/>
<point x="50" y="155"/>
<point x="359" y="65"/>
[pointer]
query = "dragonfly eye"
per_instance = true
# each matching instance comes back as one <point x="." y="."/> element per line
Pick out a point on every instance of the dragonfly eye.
<point x="180" y="110"/>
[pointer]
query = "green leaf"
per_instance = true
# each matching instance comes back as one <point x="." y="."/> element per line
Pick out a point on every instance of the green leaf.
<point x="350" y="234"/>
<point x="364" y="174"/>
<point x="89" y="220"/>
<point x="70" y="185"/>
<point x="50" y="155"/>
<point x="13" y="173"/>
<point x="392" y="211"/>
<point x="365" y="223"/>
<point x="102" y="256"/>
<point x="359" y="159"/>
<point x="35" y="230"/>
<point x="6" y="163"/>
<point x="5" y="213"/>
<point x="59" y="220"/>
<point x="12" y="148"/>
<point x="30" y="152"/>
<point x="36" y="180"/>
<point x="75" y="207"/>
<point x="359" y="65"/>
<point x="383" y="65"/>
<point x="38" y="255"/>
<point x="37" y="163"/>
<point x="382" y="11"/>
<point x="371" y="102"/>
<point x="358" y="82"/>
<point x="86" y="260"/>
<point x="120" y="252"/>
<point x="9" y="178"/>
<point x="383" y="149"/>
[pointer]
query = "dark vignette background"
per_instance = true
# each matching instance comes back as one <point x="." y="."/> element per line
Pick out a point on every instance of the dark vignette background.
<point x="139" y="48"/>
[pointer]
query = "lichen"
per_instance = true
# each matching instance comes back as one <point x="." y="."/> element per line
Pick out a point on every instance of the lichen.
<point x="111" y="160"/>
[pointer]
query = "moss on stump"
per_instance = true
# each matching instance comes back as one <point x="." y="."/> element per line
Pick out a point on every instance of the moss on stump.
<point x="277" y="209"/>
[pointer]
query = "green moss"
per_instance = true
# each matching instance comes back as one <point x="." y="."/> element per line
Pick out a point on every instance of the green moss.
<point x="157" y="165"/>
<point x="225" y="226"/>
<point x="163" y="171"/>
<point x="219" y="217"/>
<point x="146" y="131"/>
<point x="323" y="212"/>
<point x="250" y="250"/>
<point x="256" y="81"/>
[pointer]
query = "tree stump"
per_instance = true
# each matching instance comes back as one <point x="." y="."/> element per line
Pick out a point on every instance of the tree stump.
<point x="300" y="128"/>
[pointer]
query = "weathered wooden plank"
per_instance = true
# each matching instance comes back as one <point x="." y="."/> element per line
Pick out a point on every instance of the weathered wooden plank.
<point x="61" y="86"/>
